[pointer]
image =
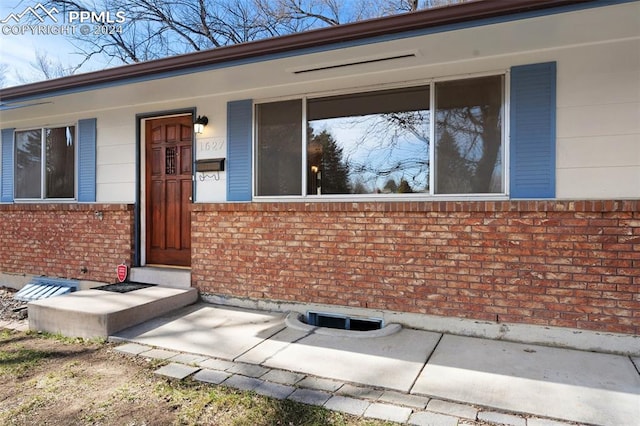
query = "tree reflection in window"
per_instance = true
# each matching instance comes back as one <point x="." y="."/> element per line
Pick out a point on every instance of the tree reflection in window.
<point x="28" y="170"/>
<point x="60" y="162"/>
<point x="57" y="157"/>
<point x="377" y="142"/>
<point x="328" y="172"/>
<point x="469" y="136"/>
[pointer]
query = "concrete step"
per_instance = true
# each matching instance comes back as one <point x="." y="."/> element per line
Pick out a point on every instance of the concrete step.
<point x="163" y="276"/>
<point x="97" y="313"/>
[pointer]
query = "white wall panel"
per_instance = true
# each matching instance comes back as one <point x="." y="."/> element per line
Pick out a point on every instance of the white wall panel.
<point x="599" y="120"/>
<point x="116" y="192"/>
<point x="599" y="74"/>
<point x="598" y="151"/>
<point x="116" y="154"/>
<point x="117" y="173"/>
<point x="599" y="183"/>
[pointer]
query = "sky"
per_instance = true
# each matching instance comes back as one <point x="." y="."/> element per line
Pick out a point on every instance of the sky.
<point x="18" y="51"/>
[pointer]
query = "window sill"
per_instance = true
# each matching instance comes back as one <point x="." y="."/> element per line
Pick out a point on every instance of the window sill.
<point x="424" y="206"/>
<point x="382" y="198"/>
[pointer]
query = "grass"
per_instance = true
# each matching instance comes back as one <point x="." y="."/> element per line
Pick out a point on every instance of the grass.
<point x="17" y="362"/>
<point x="26" y="407"/>
<point x="56" y="380"/>
<point x="198" y="403"/>
<point x="64" y="339"/>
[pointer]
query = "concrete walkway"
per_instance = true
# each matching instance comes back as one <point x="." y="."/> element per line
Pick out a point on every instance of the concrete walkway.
<point x="410" y="376"/>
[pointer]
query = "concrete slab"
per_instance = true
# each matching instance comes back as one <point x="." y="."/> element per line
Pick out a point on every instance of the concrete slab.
<point x="387" y="412"/>
<point x="535" y="421"/>
<point x="158" y="354"/>
<point x="176" y="371"/>
<point x="283" y="377"/>
<point x="132" y="348"/>
<point x="391" y="361"/>
<point x="243" y="382"/>
<point x="344" y="404"/>
<point x="274" y="390"/>
<point x="360" y="392"/>
<point x="19" y="325"/>
<point x="166" y="277"/>
<point x="218" y="332"/>
<point x="453" y="409"/>
<point x="250" y="370"/>
<point x="97" y="313"/>
<point x="216" y="364"/>
<point x="426" y="418"/>
<point x="211" y="376"/>
<point x="189" y="359"/>
<point x="501" y="418"/>
<point x="16" y="325"/>
<point x="310" y="396"/>
<point x="399" y="398"/>
<point x="320" y="384"/>
<point x="277" y="343"/>
<point x="565" y="384"/>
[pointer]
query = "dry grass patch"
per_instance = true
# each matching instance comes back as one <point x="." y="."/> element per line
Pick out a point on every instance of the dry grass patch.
<point x="54" y="380"/>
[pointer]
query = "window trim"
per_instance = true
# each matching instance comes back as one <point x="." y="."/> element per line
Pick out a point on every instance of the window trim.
<point x="42" y="198"/>
<point x="431" y="195"/>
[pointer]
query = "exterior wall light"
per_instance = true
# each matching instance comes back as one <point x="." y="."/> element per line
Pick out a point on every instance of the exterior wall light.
<point x="198" y="125"/>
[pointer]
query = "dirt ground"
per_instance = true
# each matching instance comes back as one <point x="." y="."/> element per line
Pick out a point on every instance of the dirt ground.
<point x="11" y="309"/>
<point x="57" y="382"/>
<point x="54" y="380"/>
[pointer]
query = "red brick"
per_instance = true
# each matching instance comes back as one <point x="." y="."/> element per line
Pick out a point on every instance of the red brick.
<point x="562" y="263"/>
<point x="66" y="238"/>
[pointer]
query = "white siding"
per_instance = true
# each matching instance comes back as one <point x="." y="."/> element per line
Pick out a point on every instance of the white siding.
<point x="116" y="156"/>
<point x="598" y="121"/>
<point x="598" y="95"/>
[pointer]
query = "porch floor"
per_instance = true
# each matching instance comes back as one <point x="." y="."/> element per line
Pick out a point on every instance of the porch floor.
<point x="96" y="313"/>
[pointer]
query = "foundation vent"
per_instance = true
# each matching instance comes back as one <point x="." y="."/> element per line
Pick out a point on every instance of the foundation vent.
<point x="343" y="322"/>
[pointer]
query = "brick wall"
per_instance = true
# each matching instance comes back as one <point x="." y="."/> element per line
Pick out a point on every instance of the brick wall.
<point x="59" y="240"/>
<point x="569" y="263"/>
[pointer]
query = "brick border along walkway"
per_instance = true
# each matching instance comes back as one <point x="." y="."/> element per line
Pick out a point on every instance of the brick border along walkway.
<point x="334" y="395"/>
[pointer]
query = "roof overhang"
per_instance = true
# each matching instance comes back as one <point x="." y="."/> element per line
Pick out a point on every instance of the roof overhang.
<point x="370" y="29"/>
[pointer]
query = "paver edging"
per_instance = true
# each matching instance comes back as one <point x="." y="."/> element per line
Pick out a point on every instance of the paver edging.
<point x="376" y="406"/>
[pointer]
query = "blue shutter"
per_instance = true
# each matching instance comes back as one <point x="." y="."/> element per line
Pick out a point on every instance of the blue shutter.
<point x="6" y="159"/>
<point x="239" y="125"/>
<point x="533" y="131"/>
<point x="87" y="160"/>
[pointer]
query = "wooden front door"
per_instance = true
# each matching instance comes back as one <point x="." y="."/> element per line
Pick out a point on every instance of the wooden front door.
<point x="168" y="190"/>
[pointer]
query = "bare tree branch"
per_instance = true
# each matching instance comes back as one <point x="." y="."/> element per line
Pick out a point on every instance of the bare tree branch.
<point x="159" y="28"/>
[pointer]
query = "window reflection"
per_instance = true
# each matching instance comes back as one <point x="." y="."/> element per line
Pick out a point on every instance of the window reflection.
<point x="60" y="162"/>
<point x="369" y="143"/>
<point x="379" y="142"/>
<point x="469" y="136"/>
<point x="28" y="171"/>
<point x="58" y="157"/>
<point x="279" y="153"/>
